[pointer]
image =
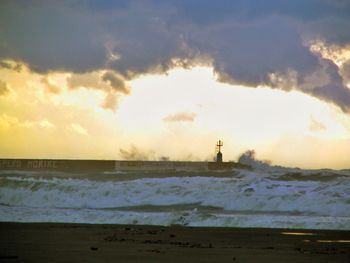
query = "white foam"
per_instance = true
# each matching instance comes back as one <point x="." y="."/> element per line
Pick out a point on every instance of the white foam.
<point x="269" y="201"/>
<point x="186" y="218"/>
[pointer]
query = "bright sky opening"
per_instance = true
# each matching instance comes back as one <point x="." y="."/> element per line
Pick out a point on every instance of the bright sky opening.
<point x="141" y="80"/>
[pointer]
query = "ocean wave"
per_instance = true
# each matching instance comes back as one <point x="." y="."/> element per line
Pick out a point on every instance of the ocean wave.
<point x="291" y="191"/>
<point x="192" y="217"/>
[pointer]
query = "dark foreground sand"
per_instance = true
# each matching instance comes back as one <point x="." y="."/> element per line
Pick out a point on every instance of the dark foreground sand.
<point x="120" y="243"/>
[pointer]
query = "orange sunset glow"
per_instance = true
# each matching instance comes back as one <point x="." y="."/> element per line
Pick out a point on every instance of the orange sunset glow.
<point x="133" y="81"/>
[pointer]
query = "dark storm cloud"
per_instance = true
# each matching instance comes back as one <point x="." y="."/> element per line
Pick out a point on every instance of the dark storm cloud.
<point x="117" y="87"/>
<point x="208" y="11"/>
<point x="248" y="52"/>
<point x="12" y="66"/>
<point x="49" y="35"/>
<point x="335" y="90"/>
<point x="3" y="88"/>
<point x="245" y="41"/>
<point x="116" y="82"/>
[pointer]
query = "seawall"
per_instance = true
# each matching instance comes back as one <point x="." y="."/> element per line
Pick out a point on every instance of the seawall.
<point x="111" y="165"/>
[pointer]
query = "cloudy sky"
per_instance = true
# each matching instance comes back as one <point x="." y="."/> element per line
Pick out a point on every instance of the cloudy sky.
<point x="154" y="79"/>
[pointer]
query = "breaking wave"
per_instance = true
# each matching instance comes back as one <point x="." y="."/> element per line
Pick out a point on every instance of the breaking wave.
<point x="273" y="197"/>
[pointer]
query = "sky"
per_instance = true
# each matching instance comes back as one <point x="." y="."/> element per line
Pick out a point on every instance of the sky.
<point x="157" y="80"/>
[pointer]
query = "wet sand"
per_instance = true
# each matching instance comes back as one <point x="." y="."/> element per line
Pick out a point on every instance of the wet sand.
<point x="54" y="242"/>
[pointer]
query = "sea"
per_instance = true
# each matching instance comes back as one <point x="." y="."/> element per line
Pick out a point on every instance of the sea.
<point x="263" y="196"/>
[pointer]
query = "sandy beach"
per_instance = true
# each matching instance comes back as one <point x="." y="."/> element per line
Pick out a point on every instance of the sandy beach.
<point x="53" y="242"/>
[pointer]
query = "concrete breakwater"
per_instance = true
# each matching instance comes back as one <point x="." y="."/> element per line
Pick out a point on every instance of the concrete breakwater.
<point x="56" y="165"/>
<point x="111" y="165"/>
